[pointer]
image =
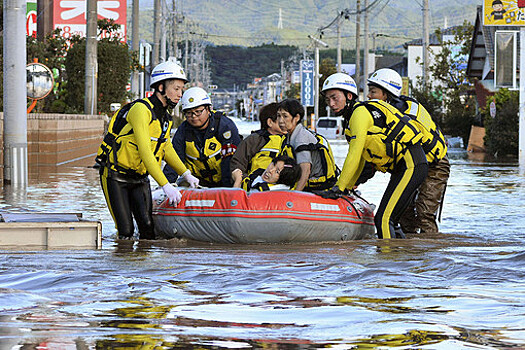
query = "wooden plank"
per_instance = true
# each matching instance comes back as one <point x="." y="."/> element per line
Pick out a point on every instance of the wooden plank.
<point x="82" y="234"/>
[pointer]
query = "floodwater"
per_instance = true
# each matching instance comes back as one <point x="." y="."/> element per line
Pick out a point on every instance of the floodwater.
<point x="461" y="289"/>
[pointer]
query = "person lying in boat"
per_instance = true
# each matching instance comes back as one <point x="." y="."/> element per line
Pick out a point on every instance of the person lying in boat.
<point x="256" y="151"/>
<point x="282" y="173"/>
<point x="311" y="151"/>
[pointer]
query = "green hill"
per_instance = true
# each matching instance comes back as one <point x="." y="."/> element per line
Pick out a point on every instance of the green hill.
<point x="255" y="22"/>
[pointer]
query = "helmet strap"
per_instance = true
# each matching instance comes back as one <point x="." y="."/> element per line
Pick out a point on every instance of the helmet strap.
<point x="349" y="104"/>
<point x="169" y="102"/>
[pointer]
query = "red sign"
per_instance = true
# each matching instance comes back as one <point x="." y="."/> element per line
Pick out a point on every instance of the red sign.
<point x="31" y="18"/>
<point x="148" y="93"/>
<point x="31" y="24"/>
<point x="70" y="16"/>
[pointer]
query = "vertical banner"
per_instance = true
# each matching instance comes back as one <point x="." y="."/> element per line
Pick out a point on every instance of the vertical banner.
<point x="505" y="59"/>
<point x="70" y="16"/>
<point x="31" y="18"/>
<point x="307" y="83"/>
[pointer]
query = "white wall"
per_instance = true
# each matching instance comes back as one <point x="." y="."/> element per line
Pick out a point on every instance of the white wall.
<point x="415" y="69"/>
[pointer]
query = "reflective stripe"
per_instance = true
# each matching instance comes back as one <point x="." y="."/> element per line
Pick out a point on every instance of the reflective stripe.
<point x="413" y="109"/>
<point x="214" y="154"/>
<point x="273" y="150"/>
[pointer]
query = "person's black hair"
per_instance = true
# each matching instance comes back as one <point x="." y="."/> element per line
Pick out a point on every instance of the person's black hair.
<point x="268" y="111"/>
<point x="291" y="172"/>
<point x="155" y="87"/>
<point x="293" y="107"/>
<point x="497" y="2"/>
<point x="389" y="96"/>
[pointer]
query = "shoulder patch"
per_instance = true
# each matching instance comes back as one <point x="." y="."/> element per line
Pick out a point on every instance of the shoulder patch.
<point x="227" y="134"/>
<point x="376" y="114"/>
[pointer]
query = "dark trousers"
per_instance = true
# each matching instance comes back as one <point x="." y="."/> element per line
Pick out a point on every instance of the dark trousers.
<point x="406" y="177"/>
<point x="422" y="215"/>
<point x="128" y="199"/>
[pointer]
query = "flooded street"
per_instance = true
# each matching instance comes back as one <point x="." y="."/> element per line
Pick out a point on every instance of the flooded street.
<point x="461" y="289"/>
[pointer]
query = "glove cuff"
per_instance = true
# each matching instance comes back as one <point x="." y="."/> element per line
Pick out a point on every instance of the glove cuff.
<point x="186" y="173"/>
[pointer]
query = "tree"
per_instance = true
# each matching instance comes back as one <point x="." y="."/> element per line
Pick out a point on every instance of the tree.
<point x="449" y="101"/>
<point x="115" y="63"/>
<point x="450" y="65"/>
<point x="502" y="131"/>
<point x="51" y="52"/>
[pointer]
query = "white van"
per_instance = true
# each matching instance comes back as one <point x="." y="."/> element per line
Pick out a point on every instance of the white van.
<point x="330" y="127"/>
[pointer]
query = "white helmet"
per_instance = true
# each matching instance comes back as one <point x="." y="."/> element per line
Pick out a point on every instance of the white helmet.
<point x="387" y="79"/>
<point x="340" y="81"/>
<point x="194" y="97"/>
<point x="167" y="70"/>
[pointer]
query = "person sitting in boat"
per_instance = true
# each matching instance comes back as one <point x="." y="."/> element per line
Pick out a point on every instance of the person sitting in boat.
<point x="282" y="173"/>
<point x="311" y="151"/>
<point x="378" y="133"/>
<point x="256" y="151"/>
<point x="205" y="141"/>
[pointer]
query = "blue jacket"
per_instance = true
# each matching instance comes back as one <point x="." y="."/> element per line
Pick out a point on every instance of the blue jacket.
<point x="220" y="130"/>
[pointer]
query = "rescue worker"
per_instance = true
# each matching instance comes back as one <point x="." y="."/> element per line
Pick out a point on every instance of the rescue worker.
<point x="378" y="133"/>
<point x="134" y="146"/>
<point x="256" y="151"/>
<point x="385" y="84"/>
<point x="205" y="141"/>
<point x="311" y="151"/>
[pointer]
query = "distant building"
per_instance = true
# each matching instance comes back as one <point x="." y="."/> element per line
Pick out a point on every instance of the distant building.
<point x="481" y="61"/>
<point x="415" y="54"/>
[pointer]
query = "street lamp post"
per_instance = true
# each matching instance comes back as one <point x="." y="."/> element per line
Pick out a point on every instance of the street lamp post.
<point x="316" y="42"/>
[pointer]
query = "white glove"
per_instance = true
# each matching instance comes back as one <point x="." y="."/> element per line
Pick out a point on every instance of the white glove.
<point x="173" y="194"/>
<point x="192" y="180"/>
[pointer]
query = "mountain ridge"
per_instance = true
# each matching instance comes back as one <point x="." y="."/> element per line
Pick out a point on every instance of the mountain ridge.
<point x="255" y="22"/>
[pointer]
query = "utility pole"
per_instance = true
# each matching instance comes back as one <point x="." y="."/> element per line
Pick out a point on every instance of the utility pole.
<point x="283" y="81"/>
<point x="425" y="42"/>
<point x="366" y="65"/>
<point x="174" y="31"/>
<point x="358" y="46"/>
<point x="156" y="33"/>
<point x="163" y="32"/>
<point x="316" y="42"/>
<point x="15" y="93"/>
<point x="186" y="54"/>
<point x="90" y="98"/>
<point x="135" y="46"/>
<point x="521" y="124"/>
<point x="339" y="56"/>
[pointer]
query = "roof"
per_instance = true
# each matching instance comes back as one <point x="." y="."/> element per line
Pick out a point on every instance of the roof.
<point x="432" y="38"/>
<point x="482" y="47"/>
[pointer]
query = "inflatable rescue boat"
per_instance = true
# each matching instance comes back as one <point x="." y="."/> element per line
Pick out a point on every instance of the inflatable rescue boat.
<point x="231" y="215"/>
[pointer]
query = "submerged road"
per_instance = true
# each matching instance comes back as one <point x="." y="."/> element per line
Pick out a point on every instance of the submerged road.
<point x="461" y="289"/>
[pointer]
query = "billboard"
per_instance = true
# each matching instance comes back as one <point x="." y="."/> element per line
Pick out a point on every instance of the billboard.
<point x="503" y="12"/>
<point x="307" y="83"/>
<point x="70" y="16"/>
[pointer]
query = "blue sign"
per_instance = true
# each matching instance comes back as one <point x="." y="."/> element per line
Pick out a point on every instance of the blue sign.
<point x="307" y="83"/>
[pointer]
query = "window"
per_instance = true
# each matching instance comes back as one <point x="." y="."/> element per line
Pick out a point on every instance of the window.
<point x="327" y="123"/>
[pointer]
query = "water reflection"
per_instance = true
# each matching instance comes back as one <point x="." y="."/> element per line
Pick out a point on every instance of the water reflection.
<point x="461" y="288"/>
